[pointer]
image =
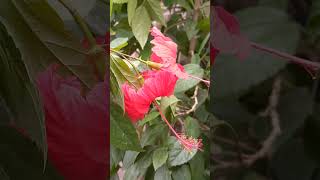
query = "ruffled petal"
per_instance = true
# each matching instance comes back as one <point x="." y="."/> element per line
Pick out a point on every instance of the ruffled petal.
<point x="76" y="126"/>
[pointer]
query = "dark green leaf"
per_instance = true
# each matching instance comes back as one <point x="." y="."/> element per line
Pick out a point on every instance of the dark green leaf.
<point x="19" y="93"/>
<point x="153" y="133"/>
<point x="177" y="154"/>
<point x="116" y="156"/>
<point x="155" y="11"/>
<point x="122" y="134"/>
<point x="197" y="167"/>
<point x="162" y="173"/>
<point x="159" y="157"/>
<point x="141" y="24"/>
<point x="186" y="84"/>
<point x="21" y="159"/>
<point x="182" y="173"/>
<point x="192" y="127"/>
<point x="129" y="158"/>
<point x="132" y="4"/>
<point x="233" y="76"/>
<point x="41" y="45"/>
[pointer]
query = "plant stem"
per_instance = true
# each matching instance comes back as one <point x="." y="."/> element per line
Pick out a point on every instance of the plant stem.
<point x="126" y="55"/>
<point x="286" y="56"/>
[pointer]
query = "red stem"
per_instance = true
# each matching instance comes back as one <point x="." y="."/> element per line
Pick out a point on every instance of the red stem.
<point x="286" y="56"/>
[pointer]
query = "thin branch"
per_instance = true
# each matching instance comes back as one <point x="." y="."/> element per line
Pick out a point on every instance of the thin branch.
<point x="230" y="142"/>
<point x="193" y="41"/>
<point x="289" y="57"/>
<point x="271" y="111"/>
<point x="193" y="108"/>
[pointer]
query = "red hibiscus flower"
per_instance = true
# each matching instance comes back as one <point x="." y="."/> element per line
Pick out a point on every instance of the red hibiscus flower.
<point x="76" y="126"/>
<point x="156" y="84"/>
<point x="213" y="54"/>
<point x="164" y="52"/>
<point x="226" y="35"/>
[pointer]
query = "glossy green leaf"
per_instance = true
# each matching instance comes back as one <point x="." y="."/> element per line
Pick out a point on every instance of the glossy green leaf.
<point x="129" y="158"/>
<point x="116" y="156"/>
<point x="149" y="117"/>
<point x="21" y="159"/>
<point x="153" y="133"/>
<point x="41" y="45"/>
<point x="192" y="127"/>
<point x="155" y="11"/>
<point x="232" y="76"/>
<point x="120" y="1"/>
<point x="141" y="24"/>
<point x="132" y="4"/>
<point x="197" y="167"/>
<point x="182" y="173"/>
<point x="186" y="84"/>
<point x="159" y="157"/>
<point x="163" y="173"/>
<point x="138" y="169"/>
<point x="122" y="134"/>
<point x="177" y="154"/>
<point x="19" y="93"/>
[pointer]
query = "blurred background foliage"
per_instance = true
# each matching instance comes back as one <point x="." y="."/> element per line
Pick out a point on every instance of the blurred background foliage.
<point x="241" y="90"/>
<point x="34" y="34"/>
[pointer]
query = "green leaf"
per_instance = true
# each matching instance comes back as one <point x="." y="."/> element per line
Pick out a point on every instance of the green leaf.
<point x="159" y="157"/>
<point x="232" y="76"/>
<point x="192" y="127"/>
<point x="155" y="11"/>
<point x="120" y="73"/>
<point x="149" y="117"/>
<point x="138" y="169"/>
<point x="186" y="84"/>
<point x="280" y="4"/>
<point x="197" y="167"/>
<point x="116" y="156"/>
<point x="129" y="158"/>
<point x="131" y="8"/>
<point x="191" y="29"/>
<point x="120" y="1"/>
<point x="119" y="43"/>
<point x="141" y="24"/>
<point x="21" y="159"/>
<point x="153" y="133"/>
<point x="83" y="7"/>
<point x="167" y="102"/>
<point x="294" y="107"/>
<point x="3" y="174"/>
<point x="41" y="45"/>
<point x="177" y="154"/>
<point x="19" y="93"/>
<point x="182" y="173"/>
<point x="292" y="157"/>
<point x="122" y="134"/>
<point x="163" y="173"/>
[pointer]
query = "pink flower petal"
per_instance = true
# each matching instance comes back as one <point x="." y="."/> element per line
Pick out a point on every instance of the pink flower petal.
<point x="164" y="52"/>
<point x="226" y="35"/>
<point x="156" y="84"/>
<point x="76" y="126"/>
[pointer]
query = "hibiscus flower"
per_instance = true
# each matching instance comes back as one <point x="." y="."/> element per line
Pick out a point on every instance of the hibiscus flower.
<point x="164" y="52"/>
<point x="77" y="126"/>
<point x="156" y="84"/>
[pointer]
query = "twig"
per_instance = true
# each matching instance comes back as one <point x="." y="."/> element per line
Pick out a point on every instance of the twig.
<point x="230" y="142"/>
<point x="193" y="108"/>
<point x="286" y="56"/>
<point x="271" y="111"/>
<point x="193" y="41"/>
